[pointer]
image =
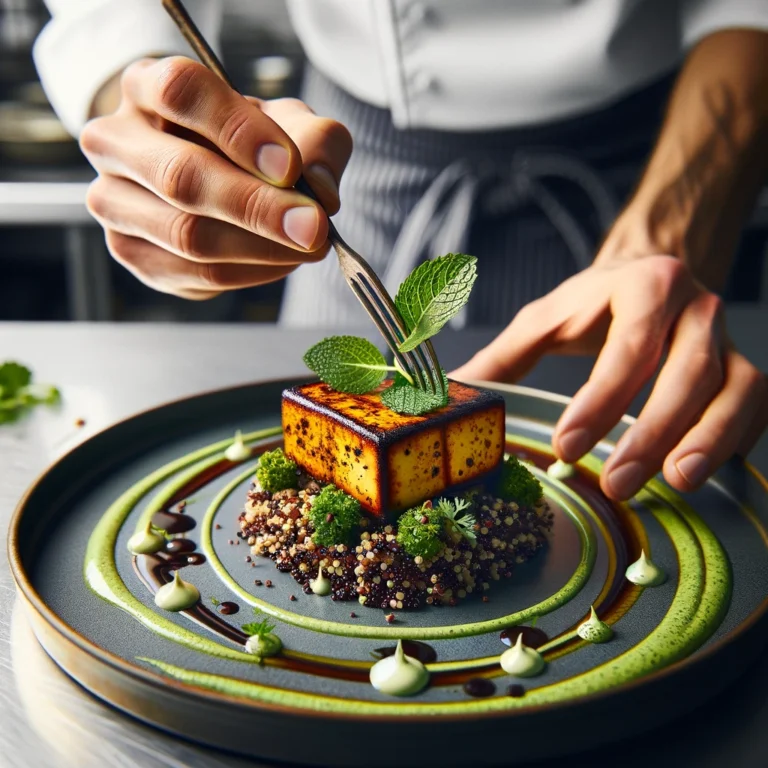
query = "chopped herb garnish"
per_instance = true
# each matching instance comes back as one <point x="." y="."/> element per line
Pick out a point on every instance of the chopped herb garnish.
<point x="420" y="531"/>
<point x="434" y="293"/>
<point x="18" y="394"/>
<point x="215" y="601"/>
<point x="518" y="484"/>
<point x="457" y="517"/>
<point x="260" y="628"/>
<point x="334" y="515"/>
<point x="276" y="472"/>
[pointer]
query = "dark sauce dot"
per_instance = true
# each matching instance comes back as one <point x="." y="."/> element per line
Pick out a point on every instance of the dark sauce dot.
<point x="479" y="687"/>
<point x="228" y="608"/>
<point x="173" y="522"/>
<point x="196" y="558"/>
<point x="515" y="690"/>
<point x="178" y="546"/>
<point x="533" y="637"/>
<point x="426" y="654"/>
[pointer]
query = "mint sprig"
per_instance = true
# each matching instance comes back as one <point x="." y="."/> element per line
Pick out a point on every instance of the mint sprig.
<point x="348" y="364"/>
<point x="434" y="293"/>
<point x="428" y="298"/>
<point x="403" y="397"/>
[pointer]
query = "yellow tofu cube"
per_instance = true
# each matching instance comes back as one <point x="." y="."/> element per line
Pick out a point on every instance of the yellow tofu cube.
<point x="386" y="460"/>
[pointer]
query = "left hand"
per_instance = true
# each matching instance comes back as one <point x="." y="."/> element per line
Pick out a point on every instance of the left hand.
<point x="708" y="402"/>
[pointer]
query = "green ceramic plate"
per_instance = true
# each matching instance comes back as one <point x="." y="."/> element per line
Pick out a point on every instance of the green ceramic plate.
<point x="91" y="603"/>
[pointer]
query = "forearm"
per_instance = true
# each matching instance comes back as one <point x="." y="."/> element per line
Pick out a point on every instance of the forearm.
<point x="709" y="161"/>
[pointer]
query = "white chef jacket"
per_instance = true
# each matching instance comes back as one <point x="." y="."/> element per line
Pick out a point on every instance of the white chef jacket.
<point x="457" y="65"/>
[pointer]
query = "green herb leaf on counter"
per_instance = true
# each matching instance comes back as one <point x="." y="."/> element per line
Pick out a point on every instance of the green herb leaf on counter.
<point x="215" y="601"/>
<point x="260" y="628"/>
<point x="18" y="393"/>
<point x="432" y="294"/>
<point x="348" y="364"/>
<point x="404" y="398"/>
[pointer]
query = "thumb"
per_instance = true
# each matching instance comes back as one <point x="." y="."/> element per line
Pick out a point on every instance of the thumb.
<point x="515" y="350"/>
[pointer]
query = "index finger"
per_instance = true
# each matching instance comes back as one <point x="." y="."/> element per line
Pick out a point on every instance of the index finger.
<point x="188" y="94"/>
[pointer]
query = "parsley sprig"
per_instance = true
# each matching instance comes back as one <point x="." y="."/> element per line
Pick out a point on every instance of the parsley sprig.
<point x="429" y="297"/>
<point x="457" y="517"/>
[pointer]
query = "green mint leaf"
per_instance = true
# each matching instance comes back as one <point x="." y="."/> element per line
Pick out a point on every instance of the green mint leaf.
<point x="347" y="364"/>
<point x="434" y="293"/>
<point x="403" y="398"/>
<point x="13" y="378"/>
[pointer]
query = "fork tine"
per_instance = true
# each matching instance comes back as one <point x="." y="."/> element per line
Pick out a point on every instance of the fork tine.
<point x="386" y="331"/>
<point x="365" y="283"/>
<point x="427" y="352"/>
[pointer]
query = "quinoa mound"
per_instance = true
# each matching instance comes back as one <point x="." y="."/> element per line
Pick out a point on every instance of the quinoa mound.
<point x="375" y="569"/>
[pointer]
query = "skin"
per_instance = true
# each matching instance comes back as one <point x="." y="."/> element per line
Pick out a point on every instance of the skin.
<point x="194" y="180"/>
<point x="647" y="306"/>
<point x="188" y="210"/>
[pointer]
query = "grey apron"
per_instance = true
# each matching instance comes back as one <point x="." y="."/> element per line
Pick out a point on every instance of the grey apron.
<point x="532" y="204"/>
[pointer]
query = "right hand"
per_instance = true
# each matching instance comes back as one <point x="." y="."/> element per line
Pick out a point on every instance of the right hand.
<point x="194" y="180"/>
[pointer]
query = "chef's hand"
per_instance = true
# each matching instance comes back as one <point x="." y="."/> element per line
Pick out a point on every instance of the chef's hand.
<point x="193" y="180"/>
<point x="708" y="402"/>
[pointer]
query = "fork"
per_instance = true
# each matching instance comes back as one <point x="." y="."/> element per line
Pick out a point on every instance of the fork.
<point x="420" y="365"/>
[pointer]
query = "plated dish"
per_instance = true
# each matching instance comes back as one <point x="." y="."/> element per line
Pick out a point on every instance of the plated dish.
<point x="297" y="572"/>
<point x="190" y="671"/>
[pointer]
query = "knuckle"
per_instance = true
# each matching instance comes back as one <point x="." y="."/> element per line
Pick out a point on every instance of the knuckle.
<point x="179" y="87"/>
<point x="664" y="275"/>
<point x="529" y="313"/>
<point x="96" y="201"/>
<point x="184" y="235"/>
<point x="706" y="367"/>
<point x="257" y="207"/>
<point x="92" y="137"/>
<point x="212" y="276"/>
<point x="179" y="177"/>
<point x="335" y="133"/>
<point x="233" y="131"/>
<point x="643" y="347"/>
<point x="121" y="247"/>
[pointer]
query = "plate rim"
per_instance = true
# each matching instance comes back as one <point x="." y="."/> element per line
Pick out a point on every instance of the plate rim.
<point x="32" y="600"/>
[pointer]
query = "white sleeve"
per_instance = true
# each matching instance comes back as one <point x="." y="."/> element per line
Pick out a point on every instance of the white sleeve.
<point x="703" y="17"/>
<point x="86" y="42"/>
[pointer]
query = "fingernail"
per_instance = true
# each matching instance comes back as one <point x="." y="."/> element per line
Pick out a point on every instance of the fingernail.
<point x="300" y="224"/>
<point x="574" y="444"/>
<point x="693" y="467"/>
<point x="319" y="176"/>
<point x="626" y="480"/>
<point x="273" y="161"/>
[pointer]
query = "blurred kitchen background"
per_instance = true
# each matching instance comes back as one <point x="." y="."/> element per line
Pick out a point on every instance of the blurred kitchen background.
<point x="53" y="262"/>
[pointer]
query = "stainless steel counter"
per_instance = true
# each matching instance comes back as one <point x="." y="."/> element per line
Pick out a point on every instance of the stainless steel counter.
<point x="107" y="372"/>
